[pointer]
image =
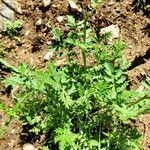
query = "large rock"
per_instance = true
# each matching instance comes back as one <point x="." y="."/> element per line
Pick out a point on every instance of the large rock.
<point x="7" y="11"/>
<point x="1" y="24"/>
<point x="14" y="5"/>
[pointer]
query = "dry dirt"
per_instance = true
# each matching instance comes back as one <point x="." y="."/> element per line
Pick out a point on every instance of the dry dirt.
<point x="134" y="30"/>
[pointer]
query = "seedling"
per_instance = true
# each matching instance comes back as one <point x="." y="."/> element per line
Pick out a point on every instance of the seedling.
<point x="12" y="27"/>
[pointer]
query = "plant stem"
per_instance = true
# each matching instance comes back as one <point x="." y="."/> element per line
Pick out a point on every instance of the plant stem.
<point x="137" y="101"/>
<point x="8" y="65"/>
<point x="84" y="41"/>
<point x="85" y="24"/>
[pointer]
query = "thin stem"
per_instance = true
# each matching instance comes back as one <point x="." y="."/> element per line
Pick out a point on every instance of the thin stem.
<point x="9" y="66"/>
<point x="137" y="101"/>
<point x="99" y="147"/>
<point x="84" y="41"/>
<point x="85" y="24"/>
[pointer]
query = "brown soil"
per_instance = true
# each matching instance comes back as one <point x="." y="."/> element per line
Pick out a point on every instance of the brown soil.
<point x="134" y="30"/>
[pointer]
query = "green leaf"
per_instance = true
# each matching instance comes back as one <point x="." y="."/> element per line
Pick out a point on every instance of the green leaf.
<point x="64" y="137"/>
<point x="109" y="79"/>
<point x="118" y="48"/>
<point x="57" y="34"/>
<point x="66" y="99"/>
<point x="8" y="65"/>
<point x="45" y="148"/>
<point x="94" y="3"/>
<point x="71" y="19"/>
<point x="94" y="143"/>
<point x="70" y="41"/>
<point x="121" y="80"/>
<point x="109" y="69"/>
<point x="118" y="74"/>
<point x="125" y="113"/>
<point x="80" y="25"/>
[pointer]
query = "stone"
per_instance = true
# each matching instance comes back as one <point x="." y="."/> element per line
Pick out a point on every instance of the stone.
<point x="14" y="5"/>
<point x="74" y="7"/>
<point x="49" y="55"/>
<point x="1" y="23"/>
<point x="117" y="10"/>
<point x="39" y="22"/>
<point x="8" y="8"/>
<point x="6" y="12"/>
<point x="111" y="3"/>
<point x="114" y="29"/>
<point x="28" y="146"/>
<point x="13" y="131"/>
<point x="46" y="3"/>
<point x="60" y="18"/>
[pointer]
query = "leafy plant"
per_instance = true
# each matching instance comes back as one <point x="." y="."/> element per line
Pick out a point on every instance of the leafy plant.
<point x="79" y="106"/>
<point x="12" y="27"/>
<point x="143" y="5"/>
<point x="2" y="52"/>
<point x="94" y="3"/>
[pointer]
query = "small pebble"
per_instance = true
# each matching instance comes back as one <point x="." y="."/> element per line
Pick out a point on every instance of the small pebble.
<point x="117" y="10"/>
<point x="74" y="7"/>
<point x="60" y="18"/>
<point x="111" y="3"/>
<point x="39" y="22"/>
<point x="46" y="3"/>
<point x="49" y="42"/>
<point x="27" y="32"/>
<point x="48" y="56"/>
<point x="13" y="131"/>
<point x="28" y="146"/>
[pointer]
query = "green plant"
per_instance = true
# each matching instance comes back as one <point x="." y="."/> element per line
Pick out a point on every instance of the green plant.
<point x="2" y="52"/>
<point x="95" y="3"/>
<point x="79" y="106"/>
<point x="143" y="5"/>
<point x="12" y="27"/>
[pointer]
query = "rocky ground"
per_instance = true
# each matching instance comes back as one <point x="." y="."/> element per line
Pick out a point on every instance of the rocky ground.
<point x="39" y="17"/>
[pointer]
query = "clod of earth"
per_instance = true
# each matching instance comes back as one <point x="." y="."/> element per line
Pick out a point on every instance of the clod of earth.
<point x="48" y="56"/>
<point x="61" y="61"/>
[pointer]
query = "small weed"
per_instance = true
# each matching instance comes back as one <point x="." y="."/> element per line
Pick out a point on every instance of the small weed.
<point x="95" y="3"/>
<point x="143" y="5"/>
<point x="3" y="50"/>
<point x="12" y="27"/>
<point x="2" y="53"/>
